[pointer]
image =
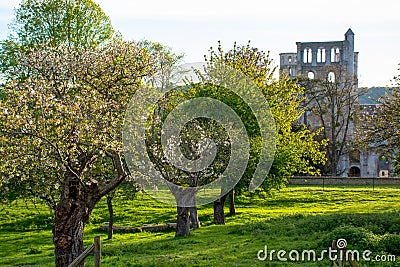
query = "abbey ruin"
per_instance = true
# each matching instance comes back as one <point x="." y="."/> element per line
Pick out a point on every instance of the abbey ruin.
<point x="336" y="62"/>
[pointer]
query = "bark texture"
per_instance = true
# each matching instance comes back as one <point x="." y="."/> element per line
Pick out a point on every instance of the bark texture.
<point x="182" y="222"/>
<point x="219" y="215"/>
<point x="232" y="209"/>
<point x="194" y="218"/>
<point x="111" y="213"/>
<point x="71" y="215"/>
<point x="74" y="208"/>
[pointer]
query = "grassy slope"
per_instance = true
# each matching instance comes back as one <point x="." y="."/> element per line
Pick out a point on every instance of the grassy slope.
<point x="295" y="218"/>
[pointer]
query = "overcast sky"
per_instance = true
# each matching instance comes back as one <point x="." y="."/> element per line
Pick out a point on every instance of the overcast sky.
<point x="191" y="27"/>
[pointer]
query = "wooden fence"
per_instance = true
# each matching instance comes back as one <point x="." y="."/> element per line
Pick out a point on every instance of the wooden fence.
<point x="96" y="248"/>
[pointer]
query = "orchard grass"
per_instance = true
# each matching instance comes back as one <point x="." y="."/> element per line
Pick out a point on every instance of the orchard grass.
<point x="298" y="217"/>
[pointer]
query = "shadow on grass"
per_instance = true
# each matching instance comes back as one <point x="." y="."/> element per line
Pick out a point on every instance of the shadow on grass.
<point x="32" y="223"/>
<point x="238" y="244"/>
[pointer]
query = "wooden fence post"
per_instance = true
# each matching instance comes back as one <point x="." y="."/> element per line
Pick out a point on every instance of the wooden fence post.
<point x="97" y="251"/>
<point x="333" y="247"/>
<point x="96" y="248"/>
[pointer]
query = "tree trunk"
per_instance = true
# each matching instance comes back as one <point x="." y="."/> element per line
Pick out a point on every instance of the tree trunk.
<point x="194" y="218"/>
<point x="72" y="212"/>
<point x="111" y="213"/>
<point x="182" y="222"/>
<point x="219" y="215"/>
<point x="232" y="210"/>
<point x="70" y="219"/>
<point x="71" y="215"/>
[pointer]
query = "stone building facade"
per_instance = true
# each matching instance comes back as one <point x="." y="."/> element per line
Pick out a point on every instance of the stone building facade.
<point x="321" y="60"/>
<point x="313" y="58"/>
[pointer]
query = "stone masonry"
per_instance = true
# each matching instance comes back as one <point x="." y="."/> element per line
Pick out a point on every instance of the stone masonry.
<point x="313" y="60"/>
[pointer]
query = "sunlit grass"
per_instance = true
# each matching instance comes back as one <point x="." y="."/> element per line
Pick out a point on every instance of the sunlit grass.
<point x="294" y="218"/>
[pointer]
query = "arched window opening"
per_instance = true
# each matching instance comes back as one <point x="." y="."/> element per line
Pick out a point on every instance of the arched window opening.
<point x="335" y="54"/>
<point x="290" y="71"/>
<point x="331" y="77"/>
<point x="384" y="174"/>
<point x="321" y="55"/>
<point x="290" y="59"/>
<point x="354" y="172"/>
<point x="311" y="75"/>
<point x="307" y="55"/>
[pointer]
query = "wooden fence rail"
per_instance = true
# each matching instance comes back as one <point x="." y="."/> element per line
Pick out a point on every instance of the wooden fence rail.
<point x="96" y="248"/>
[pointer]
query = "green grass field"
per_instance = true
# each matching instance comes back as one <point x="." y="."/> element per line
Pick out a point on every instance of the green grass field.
<point x="296" y="218"/>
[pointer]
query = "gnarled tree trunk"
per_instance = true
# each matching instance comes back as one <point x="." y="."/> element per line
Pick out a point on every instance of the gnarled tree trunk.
<point x="71" y="215"/>
<point x="68" y="231"/>
<point x="72" y="212"/>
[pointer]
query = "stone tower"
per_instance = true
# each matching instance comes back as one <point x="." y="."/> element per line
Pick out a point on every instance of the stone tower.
<point x="324" y="60"/>
<point x="332" y="61"/>
<point x="313" y="59"/>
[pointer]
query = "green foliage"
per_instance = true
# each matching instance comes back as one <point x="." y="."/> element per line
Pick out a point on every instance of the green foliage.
<point x="297" y="152"/>
<point x="167" y="64"/>
<point x="79" y="24"/>
<point x="72" y="24"/>
<point x="191" y="135"/>
<point x="9" y="50"/>
<point x="361" y="238"/>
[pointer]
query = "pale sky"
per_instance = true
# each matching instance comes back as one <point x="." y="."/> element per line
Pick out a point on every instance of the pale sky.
<point x="191" y="27"/>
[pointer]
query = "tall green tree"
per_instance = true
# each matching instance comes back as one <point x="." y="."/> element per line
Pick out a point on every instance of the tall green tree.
<point x="76" y="24"/>
<point x="79" y="24"/>
<point x="191" y="135"/>
<point x="297" y="152"/>
<point x="61" y="128"/>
